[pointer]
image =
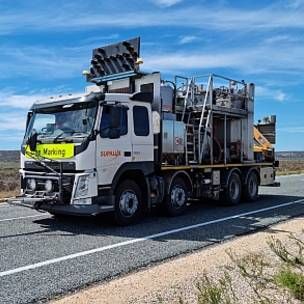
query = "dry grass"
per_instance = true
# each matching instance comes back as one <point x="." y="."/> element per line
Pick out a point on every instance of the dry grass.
<point x="9" y="179"/>
<point x="291" y="167"/>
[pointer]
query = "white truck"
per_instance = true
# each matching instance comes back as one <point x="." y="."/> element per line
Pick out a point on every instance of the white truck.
<point x="134" y="141"/>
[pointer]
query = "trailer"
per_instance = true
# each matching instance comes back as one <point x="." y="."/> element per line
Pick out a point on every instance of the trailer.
<point x="134" y="141"/>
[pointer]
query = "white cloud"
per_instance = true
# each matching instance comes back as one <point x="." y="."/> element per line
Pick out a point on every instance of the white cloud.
<point x="14" y="101"/>
<point x="43" y="62"/>
<point x="249" y="60"/>
<point x="187" y="39"/>
<point x="197" y="16"/>
<point x="19" y="101"/>
<point x="166" y="3"/>
<point x="68" y="62"/>
<point x="282" y="39"/>
<point x="295" y="4"/>
<point x="13" y="121"/>
<point x="280" y="96"/>
<point x="271" y="93"/>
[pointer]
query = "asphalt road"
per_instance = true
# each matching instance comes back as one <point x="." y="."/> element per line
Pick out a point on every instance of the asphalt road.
<point x="41" y="256"/>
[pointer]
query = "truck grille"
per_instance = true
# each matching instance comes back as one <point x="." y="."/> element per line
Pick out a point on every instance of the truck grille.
<point x="36" y="166"/>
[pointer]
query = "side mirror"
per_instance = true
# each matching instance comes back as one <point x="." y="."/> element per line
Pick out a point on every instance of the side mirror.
<point x="115" y="117"/>
<point x="50" y="128"/>
<point x="32" y="141"/>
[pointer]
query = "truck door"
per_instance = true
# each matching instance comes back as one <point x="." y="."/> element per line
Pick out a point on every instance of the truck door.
<point x="142" y="133"/>
<point x="113" y="146"/>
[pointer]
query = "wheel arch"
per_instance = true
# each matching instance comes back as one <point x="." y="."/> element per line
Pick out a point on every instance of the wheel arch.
<point x="229" y="173"/>
<point x="138" y="172"/>
<point x="184" y="175"/>
<point x="247" y="174"/>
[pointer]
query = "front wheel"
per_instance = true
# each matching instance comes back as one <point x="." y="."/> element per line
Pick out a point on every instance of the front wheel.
<point x="176" y="200"/>
<point x="128" y="203"/>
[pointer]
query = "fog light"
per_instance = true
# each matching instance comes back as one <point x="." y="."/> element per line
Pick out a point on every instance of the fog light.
<point x="31" y="184"/>
<point x="82" y="201"/>
<point x="48" y="186"/>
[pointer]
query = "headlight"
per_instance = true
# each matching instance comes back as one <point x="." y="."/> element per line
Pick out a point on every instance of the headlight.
<point x="82" y="186"/>
<point x="48" y="186"/>
<point x="31" y="184"/>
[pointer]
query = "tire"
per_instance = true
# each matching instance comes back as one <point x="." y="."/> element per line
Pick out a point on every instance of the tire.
<point x="176" y="200"/>
<point x="233" y="193"/>
<point x="60" y="216"/>
<point x="251" y="189"/>
<point x="128" y="203"/>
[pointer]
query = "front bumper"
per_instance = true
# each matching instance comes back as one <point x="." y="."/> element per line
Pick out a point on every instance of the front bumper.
<point x="55" y="207"/>
<point x="65" y="199"/>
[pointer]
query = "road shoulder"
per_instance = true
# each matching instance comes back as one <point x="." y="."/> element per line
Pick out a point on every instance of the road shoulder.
<point x="169" y="280"/>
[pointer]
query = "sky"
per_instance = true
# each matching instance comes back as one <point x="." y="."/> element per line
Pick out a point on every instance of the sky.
<point x="45" y="45"/>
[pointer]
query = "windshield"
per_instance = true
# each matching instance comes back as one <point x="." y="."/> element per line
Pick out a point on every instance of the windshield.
<point x="71" y="122"/>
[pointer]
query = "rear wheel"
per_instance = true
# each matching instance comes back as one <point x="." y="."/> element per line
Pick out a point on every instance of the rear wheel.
<point x="128" y="203"/>
<point x="233" y="192"/>
<point x="251" y="189"/>
<point x="176" y="200"/>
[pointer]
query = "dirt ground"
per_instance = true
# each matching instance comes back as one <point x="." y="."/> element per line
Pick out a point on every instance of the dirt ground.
<point x="168" y="281"/>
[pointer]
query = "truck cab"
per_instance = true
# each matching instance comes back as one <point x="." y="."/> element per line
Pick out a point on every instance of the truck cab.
<point x="81" y="146"/>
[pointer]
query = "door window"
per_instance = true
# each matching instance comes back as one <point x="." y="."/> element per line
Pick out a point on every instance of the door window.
<point x="105" y="124"/>
<point x="141" y="121"/>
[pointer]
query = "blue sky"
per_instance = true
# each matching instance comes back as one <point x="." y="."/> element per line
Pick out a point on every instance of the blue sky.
<point x="45" y="45"/>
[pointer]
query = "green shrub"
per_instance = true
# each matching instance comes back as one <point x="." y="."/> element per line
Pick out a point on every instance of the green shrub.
<point x="215" y="292"/>
<point x="292" y="281"/>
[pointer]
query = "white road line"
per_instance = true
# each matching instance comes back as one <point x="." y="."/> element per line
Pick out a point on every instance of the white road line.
<point x="142" y="239"/>
<point x="21" y="217"/>
<point x="4" y="204"/>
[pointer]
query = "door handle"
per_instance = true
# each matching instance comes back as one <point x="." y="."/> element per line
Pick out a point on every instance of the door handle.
<point x="127" y="153"/>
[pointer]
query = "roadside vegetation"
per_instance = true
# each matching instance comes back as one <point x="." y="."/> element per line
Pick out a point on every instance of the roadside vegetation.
<point x="291" y="166"/>
<point x="256" y="278"/>
<point x="9" y="179"/>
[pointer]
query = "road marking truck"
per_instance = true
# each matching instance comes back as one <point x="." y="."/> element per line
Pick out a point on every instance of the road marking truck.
<point x="134" y="141"/>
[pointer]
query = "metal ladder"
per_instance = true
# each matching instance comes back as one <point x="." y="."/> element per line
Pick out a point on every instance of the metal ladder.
<point x="190" y="142"/>
<point x="204" y="124"/>
<point x="189" y="95"/>
<point x="200" y="133"/>
<point x="190" y="149"/>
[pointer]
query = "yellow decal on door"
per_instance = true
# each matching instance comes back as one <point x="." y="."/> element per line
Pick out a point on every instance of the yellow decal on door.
<point x="52" y="151"/>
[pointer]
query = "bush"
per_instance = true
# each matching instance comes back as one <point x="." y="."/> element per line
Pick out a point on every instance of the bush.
<point x="292" y="281"/>
<point x="279" y="280"/>
<point x="215" y="292"/>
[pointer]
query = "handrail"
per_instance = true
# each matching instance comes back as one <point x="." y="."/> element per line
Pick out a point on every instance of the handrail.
<point x="189" y="84"/>
<point x="202" y="116"/>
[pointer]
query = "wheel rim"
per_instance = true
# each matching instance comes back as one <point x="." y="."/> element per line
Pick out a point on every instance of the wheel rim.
<point x="252" y="187"/>
<point x="178" y="196"/>
<point x="234" y="190"/>
<point x="128" y="203"/>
